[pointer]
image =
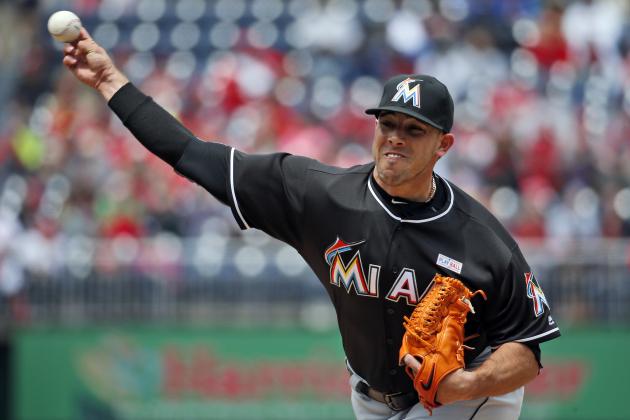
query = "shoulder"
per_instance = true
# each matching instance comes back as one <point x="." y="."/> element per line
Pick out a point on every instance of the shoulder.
<point x="324" y="169"/>
<point x="296" y="161"/>
<point x="340" y="184"/>
<point x="296" y="172"/>
<point x="479" y="219"/>
<point x="318" y="173"/>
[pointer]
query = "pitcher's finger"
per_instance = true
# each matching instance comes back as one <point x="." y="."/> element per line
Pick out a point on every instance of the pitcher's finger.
<point x="83" y="35"/>
<point x="69" y="61"/>
<point x="412" y="362"/>
<point x="86" y="44"/>
<point x="85" y="47"/>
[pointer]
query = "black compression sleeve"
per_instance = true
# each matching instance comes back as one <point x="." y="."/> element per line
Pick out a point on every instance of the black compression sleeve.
<point x="535" y="348"/>
<point x="155" y="128"/>
<point x="206" y="163"/>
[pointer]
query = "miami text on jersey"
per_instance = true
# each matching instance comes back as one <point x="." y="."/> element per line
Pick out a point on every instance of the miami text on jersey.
<point x="535" y="293"/>
<point x="351" y="275"/>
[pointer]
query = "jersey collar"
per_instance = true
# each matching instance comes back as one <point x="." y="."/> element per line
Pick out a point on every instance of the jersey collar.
<point x="450" y="201"/>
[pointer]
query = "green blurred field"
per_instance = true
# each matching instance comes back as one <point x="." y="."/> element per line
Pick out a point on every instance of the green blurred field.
<point x="158" y="373"/>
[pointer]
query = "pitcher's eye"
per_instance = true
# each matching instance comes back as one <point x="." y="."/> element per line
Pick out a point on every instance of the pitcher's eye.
<point x="387" y="124"/>
<point x="415" y="131"/>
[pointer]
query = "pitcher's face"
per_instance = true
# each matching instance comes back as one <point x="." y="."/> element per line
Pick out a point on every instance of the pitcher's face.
<point x="405" y="151"/>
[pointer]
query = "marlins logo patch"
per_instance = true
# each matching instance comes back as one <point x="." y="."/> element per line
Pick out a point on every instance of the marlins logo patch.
<point x="338" y="247"/>
<point x="350" y="275"/>
<point x="404" y="91"/>
<point x="535" y="293"/>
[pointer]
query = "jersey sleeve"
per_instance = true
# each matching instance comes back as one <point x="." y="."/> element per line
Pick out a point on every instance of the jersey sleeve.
<point x="518" y="309"/>
<point x="205" y="163"/>
<point x="266" y="192"/>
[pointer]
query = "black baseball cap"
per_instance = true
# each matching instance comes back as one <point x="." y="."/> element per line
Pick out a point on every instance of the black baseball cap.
<point x="420" y="96"/>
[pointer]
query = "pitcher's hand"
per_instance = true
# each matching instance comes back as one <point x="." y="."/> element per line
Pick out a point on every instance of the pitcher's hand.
<point x="91" y="64"/>
<point x="453" y="387"/>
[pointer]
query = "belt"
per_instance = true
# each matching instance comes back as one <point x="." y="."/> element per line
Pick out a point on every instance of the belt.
<point x="396" y="401"/>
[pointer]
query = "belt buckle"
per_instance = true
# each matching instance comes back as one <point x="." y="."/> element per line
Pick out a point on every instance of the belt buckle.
<point x="389" y="400"/>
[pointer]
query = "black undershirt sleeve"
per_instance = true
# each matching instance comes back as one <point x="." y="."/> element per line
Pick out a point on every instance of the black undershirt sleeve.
<point x="155" y="128"/>
<point x="535" y="348"/>
<point x="168" y="139"/>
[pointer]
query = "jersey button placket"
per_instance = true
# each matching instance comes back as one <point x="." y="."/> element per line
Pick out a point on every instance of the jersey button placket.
<point x="393" y="315"/>
<point x="397" y="229"/>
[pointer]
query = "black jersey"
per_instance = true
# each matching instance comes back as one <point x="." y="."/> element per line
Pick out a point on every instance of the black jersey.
<point x="375" y="263"/>
<point x="374" y="254"/>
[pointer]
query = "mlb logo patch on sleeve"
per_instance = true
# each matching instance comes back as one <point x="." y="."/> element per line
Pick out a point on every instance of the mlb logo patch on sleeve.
<point x="449" y="263"/>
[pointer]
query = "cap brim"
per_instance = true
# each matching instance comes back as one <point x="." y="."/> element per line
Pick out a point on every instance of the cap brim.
<point x="406" y="111"/>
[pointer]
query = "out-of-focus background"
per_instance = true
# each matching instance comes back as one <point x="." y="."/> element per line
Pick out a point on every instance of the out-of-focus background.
<point x="127" y="292"/>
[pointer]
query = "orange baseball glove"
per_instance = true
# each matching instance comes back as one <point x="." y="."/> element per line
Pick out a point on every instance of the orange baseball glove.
<point x="435" y="335"/>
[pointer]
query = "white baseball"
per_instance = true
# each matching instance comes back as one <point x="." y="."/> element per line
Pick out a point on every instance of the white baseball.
<point x="64" y="26"/>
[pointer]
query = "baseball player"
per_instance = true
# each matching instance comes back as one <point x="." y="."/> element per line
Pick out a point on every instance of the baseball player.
<point x="375" y="235"/>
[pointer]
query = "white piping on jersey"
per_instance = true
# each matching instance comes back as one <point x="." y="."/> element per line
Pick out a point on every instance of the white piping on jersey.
<point x="523" y="340"/>
<point x="238" y="210"/>
<point x="393" y="216"/>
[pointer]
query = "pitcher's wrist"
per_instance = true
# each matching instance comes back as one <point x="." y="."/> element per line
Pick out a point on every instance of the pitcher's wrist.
<point x="111" y="83"/>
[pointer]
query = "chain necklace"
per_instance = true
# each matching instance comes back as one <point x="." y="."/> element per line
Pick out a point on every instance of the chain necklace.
<point x="433" y="188"/>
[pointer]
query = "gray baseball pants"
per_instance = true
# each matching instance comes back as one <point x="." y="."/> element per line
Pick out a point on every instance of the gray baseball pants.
<point x="502" y="407"/>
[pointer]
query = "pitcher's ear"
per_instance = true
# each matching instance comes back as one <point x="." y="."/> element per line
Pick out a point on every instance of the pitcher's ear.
<point x="446" y="142"/>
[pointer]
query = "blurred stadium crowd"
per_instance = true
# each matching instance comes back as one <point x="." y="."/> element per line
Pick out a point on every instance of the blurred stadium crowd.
<point x="542" y="91"/>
